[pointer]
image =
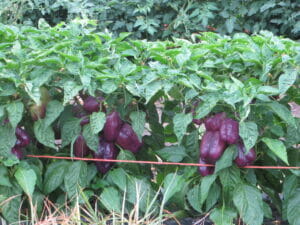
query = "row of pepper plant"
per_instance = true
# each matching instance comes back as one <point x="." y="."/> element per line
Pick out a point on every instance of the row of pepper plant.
<point x="60" y="86"/>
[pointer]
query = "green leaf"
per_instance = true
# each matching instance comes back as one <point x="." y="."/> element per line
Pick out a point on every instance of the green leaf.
<point x="277" y="147"/>
<point x="283" y="113"/>
<point x="290" y="185"/>
<point x="268" y="90"/>
<point x="7" y="89"/>
<point x="221" y="216"/>
<point x="209" y="102"/>
<point x="70" y="130"/>
<point x="267" y="211"/>
<point x="286" y="80"/>
<point x="226" y="159"/>
<point x="206" y="183"/>
<point x="54" y="175"/>
<point x="151" y="89"/>
<point x="7" y="140"/>
<point x="92" y="140"/>
<point x="4" y="178"/>
<point x="111" y="199"/>
<point x="172" y="153"/>
<point x="40" y="75"/>
<point x="71" y="89"/>
<point x="183" y="56"/>
<point x="44" y="134"/>
<point x="190" y="94"/>
<point x="293" y="134"/>
<point x="2" y="110"/>
<point x="139" y="191"/>
<point x="38" y="201"/>
<point x="230" y="24"/>
<point x="248" y="201"/>
<point x="109" y="86"/>
<point x="173" y="183"/>
<point x="293" y="209"/>
<point x="15" y="112"/>
<point x="33" y="92"/>
<point x="92" y="172"/>
<point x="10" y="210"/>
<point x="97" y="121"/>
<point x="138" y="119"/>
<point x="53" y="110"/>
<point x="26" y="178"/>
<point x="249" y="133"/>
<point x="181" y="122"/>
<point x="229" y="178"/>
<point x="128" y="155"/>
<point x="75" y="178"/>
<point x="269" y="4"/>
<point x="213" y="196"/>
<point x="118" y="177"/>
<point x="194" y="198"/>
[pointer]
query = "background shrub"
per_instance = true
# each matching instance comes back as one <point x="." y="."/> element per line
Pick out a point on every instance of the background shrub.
<point x="161" y="19"/>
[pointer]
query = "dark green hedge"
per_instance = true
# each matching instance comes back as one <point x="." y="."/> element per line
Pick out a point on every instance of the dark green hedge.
<point x="161" y="19"/>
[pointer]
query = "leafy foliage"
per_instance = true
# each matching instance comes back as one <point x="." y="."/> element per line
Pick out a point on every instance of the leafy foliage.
<point x="154" y="87"/>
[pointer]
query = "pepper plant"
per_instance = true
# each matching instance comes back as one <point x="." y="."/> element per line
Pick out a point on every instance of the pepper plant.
<point x="158" y="89"/>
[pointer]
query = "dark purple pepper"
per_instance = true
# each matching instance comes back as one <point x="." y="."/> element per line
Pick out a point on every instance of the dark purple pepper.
<point x="128" y="139"/>
<point x="211" y="147"/>
<point x="38" y="111"/>
<point x="23" y="139"/>
<point x="205" y="144"/>
<point x="106" y="150"/>
<point x="85" y="120"/>
<point x="91" y="104"/>
<point x="217" y="148"/>
<point x="213" y="123"/>
<point x="229" y="131"/>
<point x="18" y="152"/>
<point x="242" y="159"/>
<point x="112" y="126"/>
<point x="204" y="170"/>
<point x="198" y="121"/>
<point x="80" y="147"/>
<point x="78" y="111"/>
<point x="18" y="143"/>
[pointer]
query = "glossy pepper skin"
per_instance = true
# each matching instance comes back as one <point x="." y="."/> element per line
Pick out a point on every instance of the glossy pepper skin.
<point x="214" y="123"/>
<point x="78" y="111"/>
<point x="242" y="159"/>
<point x="106" y="150"/>
<point x="204" y="170"/>
<point x="198" y="121"/>
<point x="205" y="144"/>
<point x="23" y="139"/>
<point x="112" y="126"/>
<point x="80" y="147"/>
<point x="212" y="147"/>
<point x="229" y="131"/>
<point x="17" y="151"/>
<point x="85" y="120"/>
<point x="128" y="139"/>
<point x="217" y="148"/>
<point x="91" y="104"/>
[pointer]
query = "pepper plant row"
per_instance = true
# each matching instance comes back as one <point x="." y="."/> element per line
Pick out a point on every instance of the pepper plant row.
<point x="75" y="91"/>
